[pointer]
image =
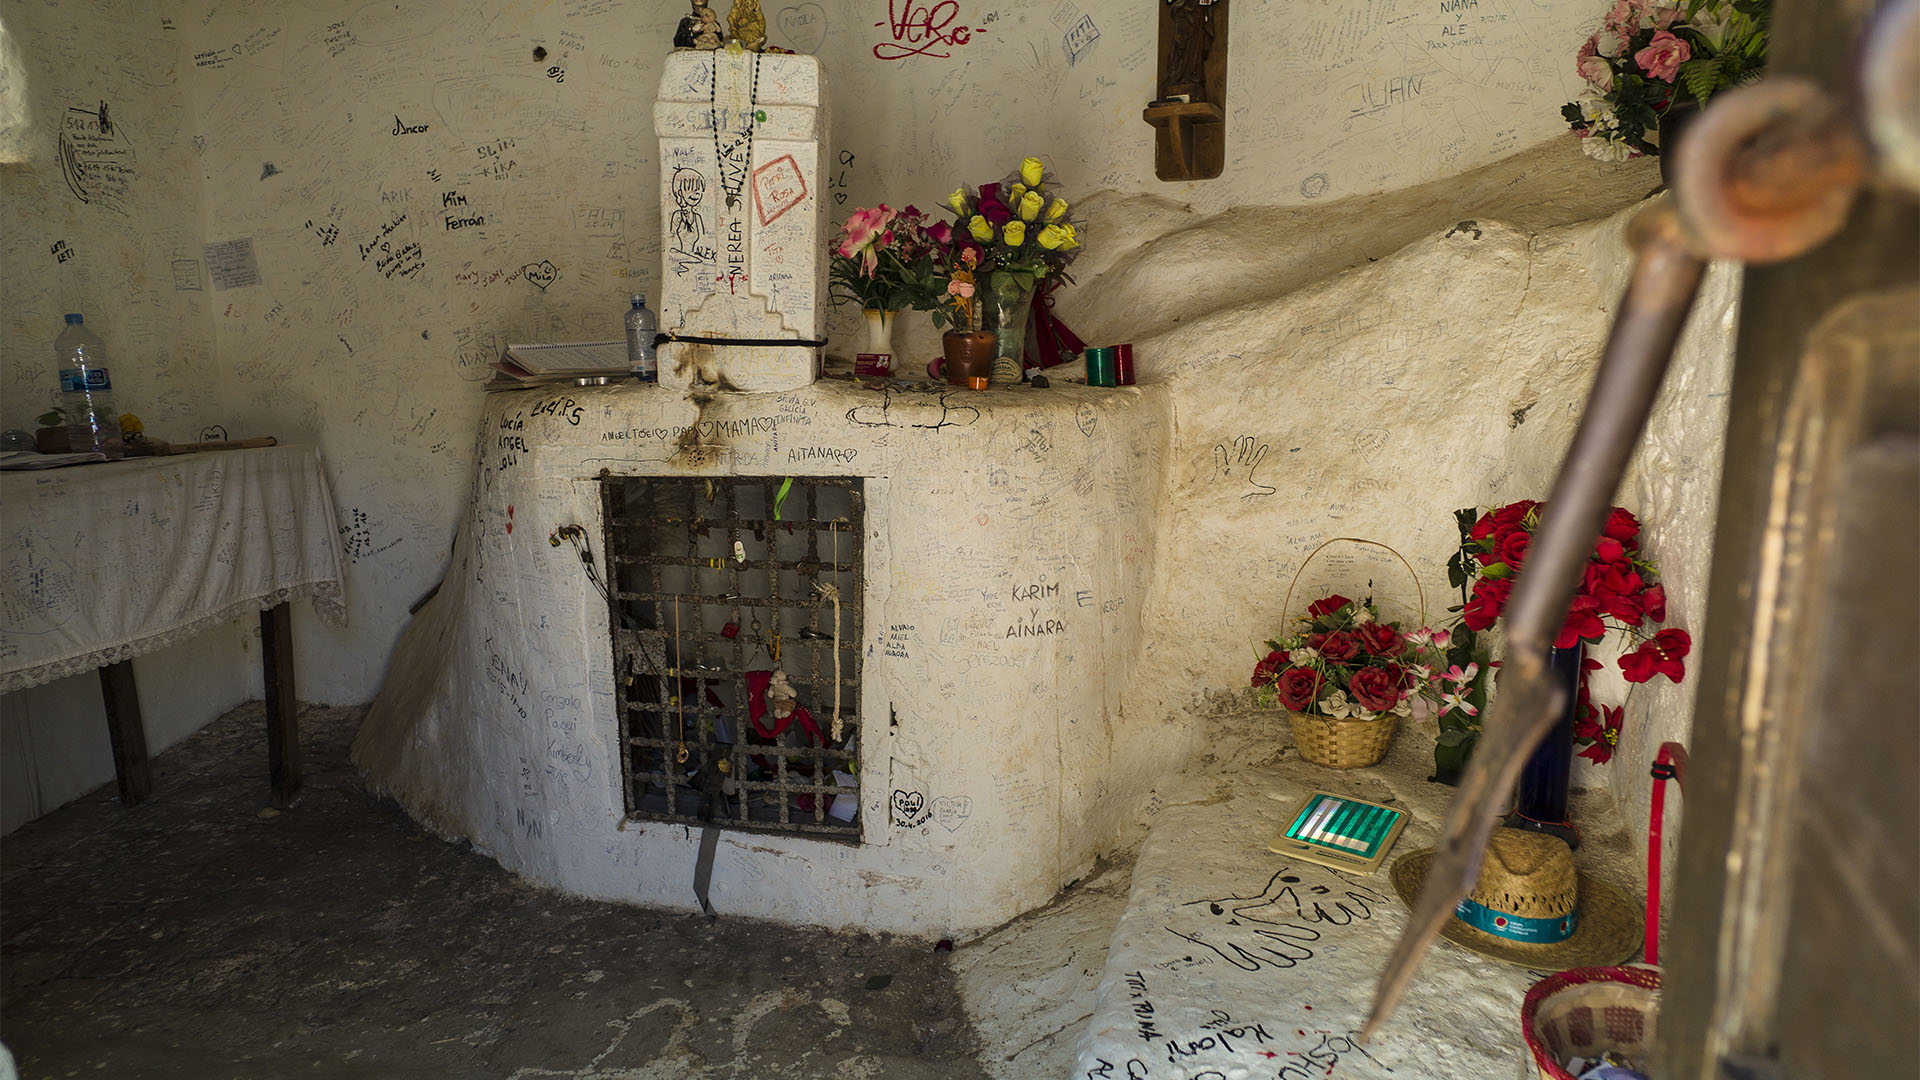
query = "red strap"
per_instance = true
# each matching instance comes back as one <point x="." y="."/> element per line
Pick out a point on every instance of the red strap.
<point x="1055" y="340"/>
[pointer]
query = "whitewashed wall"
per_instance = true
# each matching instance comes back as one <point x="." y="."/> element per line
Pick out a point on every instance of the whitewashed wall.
<point x="106" y="221"/>
<point x="418" y="190"/>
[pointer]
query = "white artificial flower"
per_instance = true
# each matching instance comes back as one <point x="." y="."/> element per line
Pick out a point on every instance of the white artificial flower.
<point x="1608" y="44"/>
<point x="1361" y="616"/>
<point x="1405" y="707"/>
<point x="1602" y="148"/>
<point x="1302" y="656"/>
<point x="1336" y="705"/>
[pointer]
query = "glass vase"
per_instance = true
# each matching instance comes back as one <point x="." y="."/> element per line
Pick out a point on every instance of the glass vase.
<point x="1007" y="305"/>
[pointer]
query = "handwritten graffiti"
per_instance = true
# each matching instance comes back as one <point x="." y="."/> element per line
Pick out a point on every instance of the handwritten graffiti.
<point x="922" y="30"/>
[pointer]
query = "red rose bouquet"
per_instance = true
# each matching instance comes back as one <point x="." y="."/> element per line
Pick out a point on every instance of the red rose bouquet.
<point x="1617" y="592"/>
<point x="1345" y="663"/>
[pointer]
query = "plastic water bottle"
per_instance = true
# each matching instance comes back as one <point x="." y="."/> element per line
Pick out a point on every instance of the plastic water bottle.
<point x="86" y="391"/>
<point x="642" y="327"/>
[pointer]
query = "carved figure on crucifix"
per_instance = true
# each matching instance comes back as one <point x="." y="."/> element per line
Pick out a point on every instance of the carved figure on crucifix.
<point x="1192" y="40"/>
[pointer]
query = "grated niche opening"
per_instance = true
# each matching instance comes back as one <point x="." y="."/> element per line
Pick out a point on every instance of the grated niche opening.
<point x="724" y="618"/>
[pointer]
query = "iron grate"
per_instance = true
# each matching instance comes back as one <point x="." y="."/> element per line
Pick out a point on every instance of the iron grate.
<point x="716" y="584"/>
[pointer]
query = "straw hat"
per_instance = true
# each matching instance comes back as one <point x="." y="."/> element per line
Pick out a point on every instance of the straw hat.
<point x="1531" y="907"/>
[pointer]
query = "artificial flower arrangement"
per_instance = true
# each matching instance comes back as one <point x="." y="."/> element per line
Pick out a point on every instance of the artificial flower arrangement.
<point x="1345" y="663"/>
<point x="1015" y="233"/>
<point x="1651" y="55"/>
<point x="886" y="258"/>
<point x="1618" y="591"/>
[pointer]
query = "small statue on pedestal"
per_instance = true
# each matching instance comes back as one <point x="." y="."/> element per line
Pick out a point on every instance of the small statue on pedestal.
<point x="1192" y="39"/>
<point x="747" y="24"/>
<point x="701" y="28"/>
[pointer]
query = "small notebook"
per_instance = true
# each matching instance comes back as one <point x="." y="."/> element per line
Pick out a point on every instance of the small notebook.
<point x="1340" y="831"/>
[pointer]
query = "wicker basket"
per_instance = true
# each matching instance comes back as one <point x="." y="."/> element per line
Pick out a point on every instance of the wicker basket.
<point x="1341" y="744"/>
<point x="1345" y="744"/>
<point x="1583" y="1011"/>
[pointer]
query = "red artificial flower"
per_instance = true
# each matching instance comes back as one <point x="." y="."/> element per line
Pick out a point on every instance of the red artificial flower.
<point x="1653" y="602"/>
<point x="1512" y="548"/>
<point x="1621" y="526"/>
<point x="1609" y="550"/>
<point x="1483" y="528"/>
<point x="941" y="233"/>
<point x="1375" y="687"/>
<point x="1265" y="670"/>
<point x="1601" y="750"/>
<point x="1586" y="724"/>
<point x="1297" y="687"/>
<point x="1327" y="605"/>
<point x="1663" y="654"/>
<point x="1514" y="513"/>
<point x="1674" y="642"/>
<point x="1339" y="645"/>
<point x="1381" y="639"/>
<point x="1488" y="601"/>
<point x="1583" y="624"/>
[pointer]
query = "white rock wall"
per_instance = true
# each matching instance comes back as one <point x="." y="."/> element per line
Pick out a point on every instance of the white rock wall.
<point x="420" y="190"/>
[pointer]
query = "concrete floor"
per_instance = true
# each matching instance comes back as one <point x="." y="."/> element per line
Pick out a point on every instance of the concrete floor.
<point x="201" y="935"/>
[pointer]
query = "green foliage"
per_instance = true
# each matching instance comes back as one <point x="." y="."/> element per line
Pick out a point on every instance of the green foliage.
<point x="51" y="418"/>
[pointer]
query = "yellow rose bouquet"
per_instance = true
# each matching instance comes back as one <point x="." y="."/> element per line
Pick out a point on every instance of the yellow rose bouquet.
<point x="1015" y="238"/>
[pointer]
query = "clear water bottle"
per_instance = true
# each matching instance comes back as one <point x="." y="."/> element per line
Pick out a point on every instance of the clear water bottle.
<point x="642" y="327"/>
<point x="86" y="392"/>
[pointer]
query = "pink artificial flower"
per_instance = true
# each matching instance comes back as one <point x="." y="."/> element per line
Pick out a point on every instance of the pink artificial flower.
<point x="1623" y="18"/>
<point x="1662" y="57"/>
<point x="942" y="233"/>
<point x="961" y="289"/>
<point x="1597" y="72"/>
<point x="865" y="231"/>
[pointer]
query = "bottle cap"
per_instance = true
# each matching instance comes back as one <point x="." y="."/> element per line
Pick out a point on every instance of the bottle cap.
<point x="639" y="299"/>
<point x="73" y="318"/>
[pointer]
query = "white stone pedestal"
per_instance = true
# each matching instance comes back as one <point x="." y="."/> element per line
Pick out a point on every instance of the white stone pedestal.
<point x="742" y="216"/>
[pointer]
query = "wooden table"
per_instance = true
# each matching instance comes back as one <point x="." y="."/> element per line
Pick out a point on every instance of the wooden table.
<point x="107" y="562"/>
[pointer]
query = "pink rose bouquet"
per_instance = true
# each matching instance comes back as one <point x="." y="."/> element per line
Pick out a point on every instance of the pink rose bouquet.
<point x="1650" y="56"/>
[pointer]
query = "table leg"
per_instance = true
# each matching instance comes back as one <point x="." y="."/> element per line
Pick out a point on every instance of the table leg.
<point x="283" y="734"/>
<point x="127" y="732"/>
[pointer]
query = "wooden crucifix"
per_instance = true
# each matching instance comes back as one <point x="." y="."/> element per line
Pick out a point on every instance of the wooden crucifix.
<point x="1189" y="106"/>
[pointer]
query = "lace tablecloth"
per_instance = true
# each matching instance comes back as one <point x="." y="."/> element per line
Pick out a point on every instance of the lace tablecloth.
<point x="106" y="562"/>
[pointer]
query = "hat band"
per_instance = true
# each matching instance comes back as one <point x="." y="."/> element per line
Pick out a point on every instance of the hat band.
<point x="1517" y="927"/>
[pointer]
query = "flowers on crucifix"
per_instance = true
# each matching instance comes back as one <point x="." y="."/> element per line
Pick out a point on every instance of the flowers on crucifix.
<point x="1618" y="592"/>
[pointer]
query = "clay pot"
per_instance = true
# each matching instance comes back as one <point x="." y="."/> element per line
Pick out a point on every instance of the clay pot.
<point x="969" y="354"/>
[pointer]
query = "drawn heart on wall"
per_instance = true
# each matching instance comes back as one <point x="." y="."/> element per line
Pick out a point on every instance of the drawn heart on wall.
<point x="1087" y="419"/>
<point x="541" y="274"/>
<point x="907" y="804"/>
<point x="952" y="811"/>
<point x="805" y="26"/>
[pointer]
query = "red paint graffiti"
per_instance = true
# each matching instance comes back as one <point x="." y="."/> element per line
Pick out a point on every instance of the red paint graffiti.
<point x="919" y="29"/>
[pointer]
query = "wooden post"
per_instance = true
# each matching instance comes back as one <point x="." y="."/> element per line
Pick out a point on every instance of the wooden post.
<point x="283" y="732"/>
<point x="127" y="732"/>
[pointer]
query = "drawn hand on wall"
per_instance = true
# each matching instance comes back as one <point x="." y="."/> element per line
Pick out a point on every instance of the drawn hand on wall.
<point x="1244" y="458"/>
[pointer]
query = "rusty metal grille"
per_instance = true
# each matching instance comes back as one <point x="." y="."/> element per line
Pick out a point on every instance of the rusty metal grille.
<point x="717" y="584"/>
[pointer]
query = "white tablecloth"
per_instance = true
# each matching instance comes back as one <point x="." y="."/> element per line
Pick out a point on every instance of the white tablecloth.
<point x="105" y="562"/>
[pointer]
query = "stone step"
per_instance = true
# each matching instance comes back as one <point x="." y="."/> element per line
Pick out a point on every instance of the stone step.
<point x="1232" y="962"/>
